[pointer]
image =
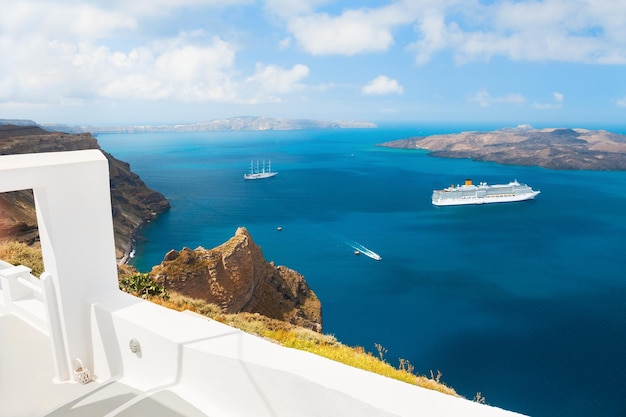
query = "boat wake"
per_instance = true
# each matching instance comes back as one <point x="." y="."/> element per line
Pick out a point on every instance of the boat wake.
<point x="362" y="249"/>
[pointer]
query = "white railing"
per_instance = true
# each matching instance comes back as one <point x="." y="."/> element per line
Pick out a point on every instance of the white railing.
<point x="23" y="295"/>
<point x="34" y="301"/>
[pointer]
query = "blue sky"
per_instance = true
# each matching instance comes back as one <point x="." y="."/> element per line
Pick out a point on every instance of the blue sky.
<point x="551" y="62"/>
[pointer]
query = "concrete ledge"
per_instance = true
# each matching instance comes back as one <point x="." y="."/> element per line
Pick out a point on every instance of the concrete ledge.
<point x="213" y="367"/>
<point x="27" y="372"/>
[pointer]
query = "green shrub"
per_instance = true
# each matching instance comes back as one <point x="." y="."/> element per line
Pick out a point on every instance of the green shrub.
<point x="141" y="285"/>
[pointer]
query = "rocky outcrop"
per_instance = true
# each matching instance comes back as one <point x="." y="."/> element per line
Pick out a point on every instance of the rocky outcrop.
<point x="549" y="148"/>
<point x="133" y="203"/>
<point x="236" y="277"/>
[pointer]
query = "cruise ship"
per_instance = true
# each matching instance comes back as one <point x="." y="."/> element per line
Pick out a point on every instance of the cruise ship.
<point x="482" y="193"/>
<point x="259" y="173"/>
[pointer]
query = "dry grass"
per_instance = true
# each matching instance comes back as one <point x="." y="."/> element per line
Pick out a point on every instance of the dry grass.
<point x="296" y="337"/>
<point x="17" y="253"/>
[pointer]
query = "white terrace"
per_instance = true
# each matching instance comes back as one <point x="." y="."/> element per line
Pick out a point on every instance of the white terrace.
<point x="143" y="359"/>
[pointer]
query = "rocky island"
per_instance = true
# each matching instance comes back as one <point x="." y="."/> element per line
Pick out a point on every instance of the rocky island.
<point x="553" y="148"/>
<point x="236" y="277"/>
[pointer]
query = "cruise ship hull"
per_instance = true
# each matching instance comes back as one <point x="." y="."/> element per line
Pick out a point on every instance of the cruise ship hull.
<point x="468" y="194"/>
<point x="259" y="175"/>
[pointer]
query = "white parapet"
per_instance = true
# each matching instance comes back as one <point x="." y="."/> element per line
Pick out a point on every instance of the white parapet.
<point x="73" y="203"/>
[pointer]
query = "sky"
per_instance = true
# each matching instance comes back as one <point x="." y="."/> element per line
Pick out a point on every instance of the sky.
<point x="183" y="61"/>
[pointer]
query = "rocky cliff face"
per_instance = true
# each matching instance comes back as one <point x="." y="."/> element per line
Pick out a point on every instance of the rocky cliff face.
<point x="133" y="203"/>
<point x="236" y="276"/>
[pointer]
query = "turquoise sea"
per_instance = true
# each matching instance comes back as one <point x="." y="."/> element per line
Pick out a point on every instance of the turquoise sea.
<point x="522" y="302"/>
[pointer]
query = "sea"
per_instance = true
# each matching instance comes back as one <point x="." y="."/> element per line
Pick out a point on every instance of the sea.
<point x="524" y="303"/>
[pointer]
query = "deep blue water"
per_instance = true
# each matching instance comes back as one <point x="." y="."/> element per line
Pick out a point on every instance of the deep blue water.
<point x="524" y="302"/>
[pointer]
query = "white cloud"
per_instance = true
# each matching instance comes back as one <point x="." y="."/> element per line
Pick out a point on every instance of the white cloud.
<point x="435" y="36"/>
<point x="54" y="71"/>
<point x="621" y="102"/>
<point x="67" y="52"/>
<point x="270" y="82"/>
<point x="349" y="34"/>
<point x="354" y="31"/>
<point x="291" y="8"/>
<point x="484" y="99"/>
<point x="382" y="85"/>
<point x="63" y="21"/>
<point x="557" y="104"/>
<point x="284" y="43"/>
<point x="69" y="58"/>
<point x="546" y="106"/>
<point x="163" y="7"/>
<point x="550" y="30"/>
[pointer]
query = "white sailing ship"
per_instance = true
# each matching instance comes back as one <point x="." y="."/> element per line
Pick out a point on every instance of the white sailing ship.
<point x="259" y="172"/>
<point x="482" y="193"/>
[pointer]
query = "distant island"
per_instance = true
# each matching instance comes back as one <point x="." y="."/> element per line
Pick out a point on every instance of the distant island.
<point x="232" y="123"/>
<point x="553" y="148"/>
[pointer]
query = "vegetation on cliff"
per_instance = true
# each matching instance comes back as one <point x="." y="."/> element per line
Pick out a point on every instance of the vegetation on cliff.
<point x="297" y="337"/>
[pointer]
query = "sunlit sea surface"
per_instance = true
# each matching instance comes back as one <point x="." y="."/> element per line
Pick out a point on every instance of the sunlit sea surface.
<point x="522" y="302"/>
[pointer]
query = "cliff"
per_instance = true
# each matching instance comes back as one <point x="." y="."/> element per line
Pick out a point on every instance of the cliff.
<point x="133" y="203"/>
<point x="236" y="277"/>
<point x="552" y="148"/>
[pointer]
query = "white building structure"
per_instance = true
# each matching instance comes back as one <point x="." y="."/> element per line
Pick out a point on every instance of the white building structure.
<point x="143" y="359"/>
